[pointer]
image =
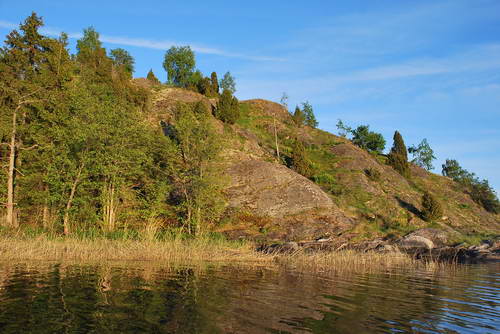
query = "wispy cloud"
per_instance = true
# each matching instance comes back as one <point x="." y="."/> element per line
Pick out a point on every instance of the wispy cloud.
<point x="150" y="43"/>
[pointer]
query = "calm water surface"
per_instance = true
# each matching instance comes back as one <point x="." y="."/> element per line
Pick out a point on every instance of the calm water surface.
<point x="151" y="298"/>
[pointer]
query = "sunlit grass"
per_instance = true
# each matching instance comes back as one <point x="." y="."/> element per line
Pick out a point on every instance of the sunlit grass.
<point x="194" y="251"/>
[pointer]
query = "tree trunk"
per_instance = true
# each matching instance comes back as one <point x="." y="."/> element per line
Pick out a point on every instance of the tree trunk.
<point x="276" y="138"/>
<point x="10" y="219"/>
<point x="109" y="214"/>
<point x="70" y="200"/>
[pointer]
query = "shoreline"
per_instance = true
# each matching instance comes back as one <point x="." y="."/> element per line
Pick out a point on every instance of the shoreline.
<point x="202" y="251"/>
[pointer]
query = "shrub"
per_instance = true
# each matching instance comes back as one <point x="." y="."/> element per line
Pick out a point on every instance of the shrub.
<point x="299" y="160"/>
<point x="227" y="108"/>
<point x="368" y="140"/>
<point x="431" y="208"/>
<point x="152" y="78"/>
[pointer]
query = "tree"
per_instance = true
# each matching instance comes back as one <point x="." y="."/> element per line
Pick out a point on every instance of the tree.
<point x="197" y="182"/>
<point x="309" y="115"/>
<point x="152" y="78"/>
<point x="422" y="155"/>
<point x="298" y="117"/>
<point x="227" y="108"/>
<point x="452" y="169"/>
<point x="23" y="61"/>
<point x="479" y="191"/>
<point x="431" y="208"/>
<point x="344" y="130"/>
<point x="398" y="157"/>
<point x="284" y="100"/>
<point x="122" y="58"/>
<point x="215" y="83"/>
<point x="299" y="161"/>
<point x="368" y="140"/>
<point x="179" y="63"/>
<point x="227" y="83"/>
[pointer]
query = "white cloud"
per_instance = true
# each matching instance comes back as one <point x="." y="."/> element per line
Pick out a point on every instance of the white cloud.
<point x="149" y="43"/>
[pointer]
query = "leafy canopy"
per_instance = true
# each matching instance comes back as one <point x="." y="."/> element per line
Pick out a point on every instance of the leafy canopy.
<point x="227" y="83"/>
<point x="179" y="62"/>
<point x="423" y="155"/>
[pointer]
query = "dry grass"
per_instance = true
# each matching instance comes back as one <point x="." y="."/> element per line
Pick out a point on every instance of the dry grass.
<point x="196" y="252"/>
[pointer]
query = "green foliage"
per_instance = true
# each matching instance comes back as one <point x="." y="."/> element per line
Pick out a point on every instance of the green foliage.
<point x="344" y="130"/>
<point x="299" y="161"/>
<point x="480" y="191"/>
<point x="298" y="117"/>
<point x="152" y="78"/>
<point x="431" y="208"/>
<point x="368" y="140"/>
<point x="452" y="169"/>
<point x="200" y="108"/>
<point x="310" y="119"/>
<point x="123" y="59"/>
<point x="179" y="62"/>
<point x="284" y="100"/>
<point x="423" y="155"/>
<point x="398" y="157"/>
<point x="227" y="108"/>
<point x="227" y="83"/>
<point x="214" y="83"/>
<point x="197" y="192"/>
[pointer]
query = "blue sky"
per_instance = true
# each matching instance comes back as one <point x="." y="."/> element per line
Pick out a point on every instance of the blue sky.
<point x="430" y="69"/>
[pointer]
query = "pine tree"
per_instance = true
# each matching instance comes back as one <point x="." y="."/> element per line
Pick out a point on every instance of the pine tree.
<point x="298" y="117"/>
<point x="398" y="157"/>
<point x="152" y="78"/>
<point x="431" y="208"/>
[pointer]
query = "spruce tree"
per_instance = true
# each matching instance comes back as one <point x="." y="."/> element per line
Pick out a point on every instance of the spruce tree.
<point x="431" y="208"/>
<point x="152" y="78"/>
<point x="227" y="108"/>
<point x="215" y="83"/>
<point x="298" y="117"/>
<point x="398" y="157"/>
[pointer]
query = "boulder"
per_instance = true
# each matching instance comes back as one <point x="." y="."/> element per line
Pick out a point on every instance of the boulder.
<point x="439" y="238"/>
<point x="415" y="242"/>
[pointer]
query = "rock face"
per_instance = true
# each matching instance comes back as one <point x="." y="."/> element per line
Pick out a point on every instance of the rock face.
<point x="273" y="190"/>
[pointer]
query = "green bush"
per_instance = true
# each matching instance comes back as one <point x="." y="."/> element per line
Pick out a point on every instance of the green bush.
<point x="431" y="208"/>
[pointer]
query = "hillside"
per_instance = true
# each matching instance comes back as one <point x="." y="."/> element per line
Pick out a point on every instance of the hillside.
<point x="340" y="200"/>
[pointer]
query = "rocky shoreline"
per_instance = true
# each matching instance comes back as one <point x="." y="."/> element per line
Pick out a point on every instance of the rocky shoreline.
<point x="425" y="244"/>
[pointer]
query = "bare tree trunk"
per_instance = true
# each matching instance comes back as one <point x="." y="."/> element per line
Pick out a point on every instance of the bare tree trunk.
<point x="109" y="214"/>
<point x="276" y="138"/>
<point x="10" y="220"/>
<point x="70" y="200"/>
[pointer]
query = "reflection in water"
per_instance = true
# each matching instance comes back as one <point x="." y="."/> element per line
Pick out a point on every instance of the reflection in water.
<point x="148" y="298"/>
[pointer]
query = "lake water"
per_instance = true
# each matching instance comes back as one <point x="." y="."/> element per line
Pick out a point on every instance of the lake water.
<point x="151" y="298"/>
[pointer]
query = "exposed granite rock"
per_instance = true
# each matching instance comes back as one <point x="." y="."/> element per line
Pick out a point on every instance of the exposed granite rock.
<point x="274" y="190"/>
